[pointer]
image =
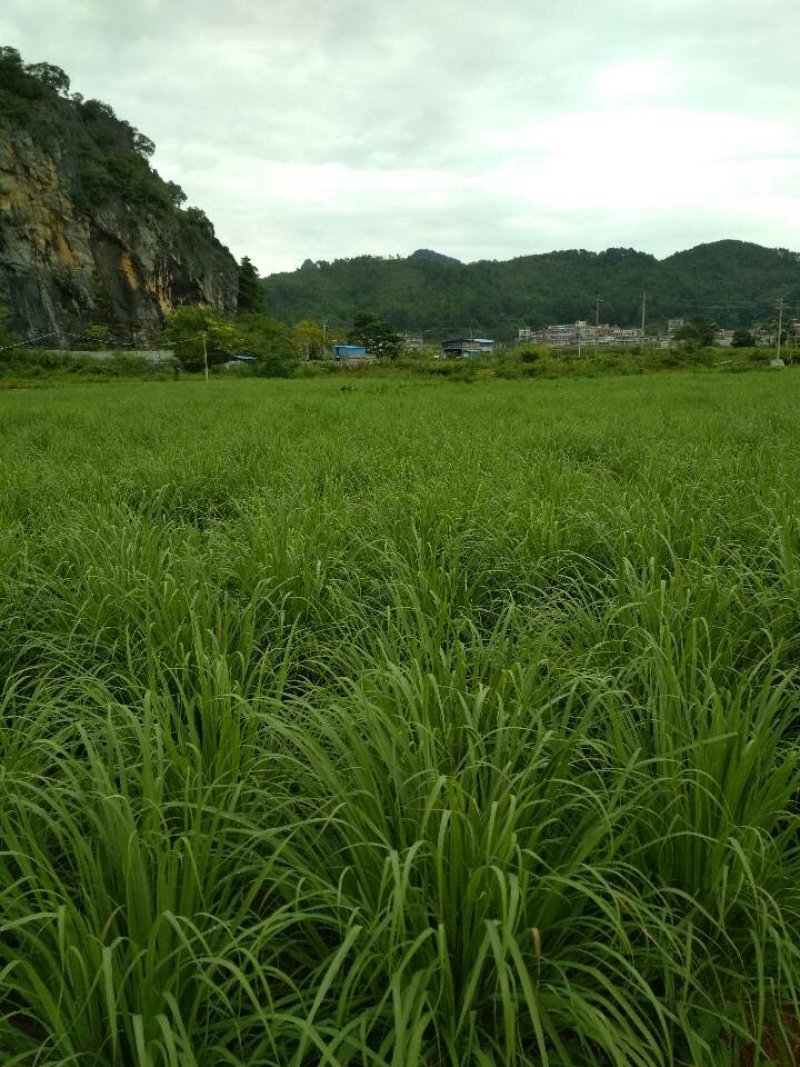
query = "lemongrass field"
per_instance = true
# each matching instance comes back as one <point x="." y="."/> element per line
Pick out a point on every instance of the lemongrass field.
<point x="397" y="724"/>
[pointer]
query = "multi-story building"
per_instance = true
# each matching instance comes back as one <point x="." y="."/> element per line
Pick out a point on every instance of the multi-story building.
<point x="412" y="343"/>
<point x="573" y="334"/>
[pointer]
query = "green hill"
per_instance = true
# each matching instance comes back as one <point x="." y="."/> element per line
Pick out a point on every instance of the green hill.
<point x="734" y="282"/>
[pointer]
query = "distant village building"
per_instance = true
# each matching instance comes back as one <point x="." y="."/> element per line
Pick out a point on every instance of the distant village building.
<point x="240" y="358"/>
<point x="466" y="347"/>
<point x="572" y="334"/>
<point x="412" y="343"/>
<point x="575" y="334"/>
<point x="352" y="355"/>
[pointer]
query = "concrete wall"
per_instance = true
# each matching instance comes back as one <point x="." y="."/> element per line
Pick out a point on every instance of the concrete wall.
<point x="151" y="355"/>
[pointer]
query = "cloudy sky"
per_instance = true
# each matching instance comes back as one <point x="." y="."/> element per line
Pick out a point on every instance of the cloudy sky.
<point x="327" y="128"/>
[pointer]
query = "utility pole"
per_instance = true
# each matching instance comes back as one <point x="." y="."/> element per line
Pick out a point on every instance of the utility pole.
<point x="596" y="322"/>
<point x="780" y="327"/>
<point x="205" y="354"/>
<point x="644" y="313"/>
<point x="580" y="330"/>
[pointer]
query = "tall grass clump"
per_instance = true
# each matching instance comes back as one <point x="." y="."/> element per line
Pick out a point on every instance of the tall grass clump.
<point x="400" y="726"/>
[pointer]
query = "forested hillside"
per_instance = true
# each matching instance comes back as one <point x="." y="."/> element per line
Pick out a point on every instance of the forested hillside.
<point x="732" y="281"/>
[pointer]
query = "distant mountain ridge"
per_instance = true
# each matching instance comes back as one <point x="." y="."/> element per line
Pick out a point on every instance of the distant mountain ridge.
<point x="734" y="282"/>
<point x="427" y="255"/>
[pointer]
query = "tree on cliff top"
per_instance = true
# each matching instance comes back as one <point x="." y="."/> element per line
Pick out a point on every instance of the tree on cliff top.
<point x="251" y="296"/>
<point x="110" y="157"/>
<point x="51" y="76"/>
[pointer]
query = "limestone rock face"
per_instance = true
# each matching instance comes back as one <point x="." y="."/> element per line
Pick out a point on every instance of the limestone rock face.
<point x="64" y="266"/>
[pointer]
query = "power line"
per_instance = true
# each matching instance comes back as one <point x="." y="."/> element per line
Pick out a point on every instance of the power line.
<point x="29" y="341"/>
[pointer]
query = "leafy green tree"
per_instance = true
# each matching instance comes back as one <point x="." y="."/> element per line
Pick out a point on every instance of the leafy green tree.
<point x="97" y="110"/>
<point x="198" y="220"/>
<point x="175" y="194"/>
<point x="187" y="328"/>
<point x="49" y="75"/>
<point x="531" y="353"/>
<point x="377" y="336"/>
<point x="10" y="55"/>
<point x="698" y="333"/>
<point x="251" y="296"/>
<point x="742" y="339"/>
<point x="770" y="328"/>
<point x="309" y="340"/>
<point x="270" y="342"/>
<point x="143" y="145"/>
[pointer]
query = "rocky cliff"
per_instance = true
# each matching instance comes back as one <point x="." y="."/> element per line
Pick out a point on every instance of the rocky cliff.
<point x="89" y="232"/>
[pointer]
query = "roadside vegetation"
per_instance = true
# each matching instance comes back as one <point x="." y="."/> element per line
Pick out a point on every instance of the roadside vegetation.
<point x="274" y="350"/>
<point x="397" y="724"/>
<point x="276" y="355"/>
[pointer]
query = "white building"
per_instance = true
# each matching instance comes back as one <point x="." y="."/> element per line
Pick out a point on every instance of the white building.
<point x="572" y="334"/>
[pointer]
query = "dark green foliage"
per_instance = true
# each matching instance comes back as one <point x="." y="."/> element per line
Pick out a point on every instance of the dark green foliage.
<point x="438" y="295"/>
<point x="531" y="353"/>
<point x="377" y="336"/>
<point x="196" y="219"/>
<point x="742" y="339"/>
<point x="52" y="77"/>
<point x="177" y="197"/>
<point x="251" y="295"/>
<point x="198" y="335"/>
<point x="270" y="342"/>
<point x="143" y="145"/>
<point x="698" y="333"/>
<point x="21" y="94"/>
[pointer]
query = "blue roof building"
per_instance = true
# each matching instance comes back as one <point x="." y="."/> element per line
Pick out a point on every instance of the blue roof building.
<point x="464" y="347"/>
<point x="348" y="351"/>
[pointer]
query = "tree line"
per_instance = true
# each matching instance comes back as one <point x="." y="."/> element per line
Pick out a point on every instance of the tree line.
<point x="199" y="335"/>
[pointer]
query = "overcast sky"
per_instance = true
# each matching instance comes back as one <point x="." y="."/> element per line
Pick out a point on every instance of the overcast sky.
<point x="327" y="128"/>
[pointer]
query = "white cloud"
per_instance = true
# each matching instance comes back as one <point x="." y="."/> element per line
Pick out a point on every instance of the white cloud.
<point x="314" y="129"/>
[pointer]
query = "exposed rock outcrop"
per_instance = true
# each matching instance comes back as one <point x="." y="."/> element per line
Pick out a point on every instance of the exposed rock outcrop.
<point x="70" y="257"/>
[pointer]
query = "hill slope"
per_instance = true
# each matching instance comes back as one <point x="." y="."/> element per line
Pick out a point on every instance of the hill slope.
<point x="732" y="281"/>
<point x="89" y="232"/>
